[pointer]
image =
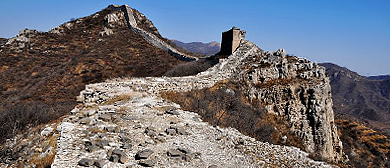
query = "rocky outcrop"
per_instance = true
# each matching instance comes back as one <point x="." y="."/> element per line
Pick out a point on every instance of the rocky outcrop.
<point x="297" y="91"/>
<point x="154" y="132"/>
<point x="22" y="39"/>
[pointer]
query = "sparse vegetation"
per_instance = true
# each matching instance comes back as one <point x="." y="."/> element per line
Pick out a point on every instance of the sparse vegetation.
<point x="96" y="130"/>
<point x="47" y="160"/>
<point x="122" y="97"/>
<point x="365" y="147"/>
<point x="357" y="97"/>
<point x="39" y="83"/>
<point x="21" y="116"/>
<point x="225" y="105"/>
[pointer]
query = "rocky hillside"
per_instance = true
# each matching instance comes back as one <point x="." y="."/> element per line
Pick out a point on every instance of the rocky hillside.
<point x="207" y="49"/>
<point x="361" y="106"/>
<point x="359" y="97"/>
<point x="364" y="146"/>
<point x="42" y="72"/>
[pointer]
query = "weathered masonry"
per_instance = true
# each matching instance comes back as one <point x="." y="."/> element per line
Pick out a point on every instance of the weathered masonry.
<point x="231" y="40"/>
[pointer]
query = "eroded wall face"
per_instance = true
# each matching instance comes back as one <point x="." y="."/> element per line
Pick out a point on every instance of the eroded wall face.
<point x="235" y="40"/>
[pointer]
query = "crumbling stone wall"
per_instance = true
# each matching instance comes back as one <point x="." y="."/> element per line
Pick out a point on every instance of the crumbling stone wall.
<point x="231" y="40"/>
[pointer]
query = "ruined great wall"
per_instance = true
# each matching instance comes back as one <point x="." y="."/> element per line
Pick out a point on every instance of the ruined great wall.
<point x="140" y="129"/>
<point x="151" y="38"/>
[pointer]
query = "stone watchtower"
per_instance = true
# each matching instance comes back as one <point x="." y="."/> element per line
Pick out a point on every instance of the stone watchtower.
<point x="231" y="40"/>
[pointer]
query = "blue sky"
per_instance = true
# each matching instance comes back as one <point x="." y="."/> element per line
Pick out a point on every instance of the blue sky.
<point x="350" y="33"/>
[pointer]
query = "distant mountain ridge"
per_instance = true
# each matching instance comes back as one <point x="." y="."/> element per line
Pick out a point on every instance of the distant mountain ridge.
<point x="379" y="77"/>
<point x="207" y="49"/>
<point x="365" y="98"/>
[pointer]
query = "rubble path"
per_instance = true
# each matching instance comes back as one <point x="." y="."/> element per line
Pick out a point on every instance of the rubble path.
<point x="125" y="123"/>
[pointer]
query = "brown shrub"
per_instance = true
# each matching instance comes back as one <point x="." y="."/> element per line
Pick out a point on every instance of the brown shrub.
<point x="123" y="97"/>
<point x="225" y="105"/>
<point x="17" y="117"/>
<point x="365" y="147"/>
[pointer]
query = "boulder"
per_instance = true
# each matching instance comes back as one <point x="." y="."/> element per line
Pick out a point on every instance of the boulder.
<point x="85" y="162"/>
<point x="99" y="163"/>
<point x="171" y="131"/>
<point x="174" y="153"/>
<point x="85" y="121"/>
<point x="172" y="112"/>
<point x="147" y="163"/>
<point x="47" y="131"/>
<point x="144" y="154"/>
<point x="74" y="111"/>
<point x="105" y="117"/>
<point x="114" y="158"/>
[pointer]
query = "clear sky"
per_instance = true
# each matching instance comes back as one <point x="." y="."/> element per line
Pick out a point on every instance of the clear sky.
<point x="350" y="33"/>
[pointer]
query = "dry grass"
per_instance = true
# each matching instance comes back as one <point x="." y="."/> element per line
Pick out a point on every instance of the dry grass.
<point x="165" y="108"/>
<point x="46" y="161"/>
<point x="370" y="146"/>
<point x="96" y="130"/>
<point x="223" y="109"/>
<point x="123" y="110"/>
<point x="123" y="97"/>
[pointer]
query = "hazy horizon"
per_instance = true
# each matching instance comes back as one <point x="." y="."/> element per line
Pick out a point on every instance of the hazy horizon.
<point x="351" y="33"/>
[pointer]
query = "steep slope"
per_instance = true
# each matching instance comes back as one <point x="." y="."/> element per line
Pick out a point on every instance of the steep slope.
<point x="207" y="49"/>
<point x="361" y="108"/>
<point x="361" y="98"/>
<point x="42" y="72"/>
